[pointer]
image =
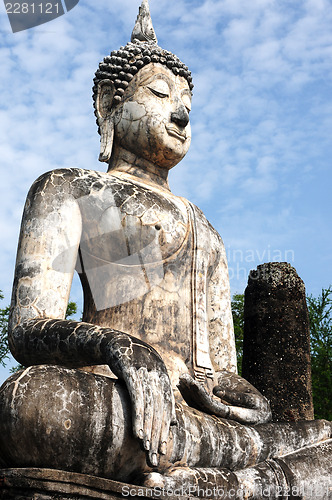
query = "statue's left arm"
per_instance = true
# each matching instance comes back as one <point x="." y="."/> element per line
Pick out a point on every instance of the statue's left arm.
<point x="234" y="397"/>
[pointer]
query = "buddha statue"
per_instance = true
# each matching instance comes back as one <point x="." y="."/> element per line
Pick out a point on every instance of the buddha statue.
<point x="144" y="389"/>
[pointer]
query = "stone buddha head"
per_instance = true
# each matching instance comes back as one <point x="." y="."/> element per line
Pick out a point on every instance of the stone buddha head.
<point x="142" y="99"/>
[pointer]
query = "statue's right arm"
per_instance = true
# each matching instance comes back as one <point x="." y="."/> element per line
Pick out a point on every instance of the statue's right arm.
<point x="40" y="334"/>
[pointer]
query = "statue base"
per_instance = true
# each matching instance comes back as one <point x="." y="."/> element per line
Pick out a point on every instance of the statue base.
<point x="51" y="484"/>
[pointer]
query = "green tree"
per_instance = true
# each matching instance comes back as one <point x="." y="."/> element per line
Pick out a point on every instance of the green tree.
<point x="320" y="314"/>
<point x="238" y="320"/>
<point x="4" y="348"/>
<point x="71" y="309"/>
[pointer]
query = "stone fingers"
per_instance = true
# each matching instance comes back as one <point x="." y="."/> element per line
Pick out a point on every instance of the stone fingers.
<point x="256" y="411"/>
<point x="169" y="416"/>
<point x="148" y="407"/>
<point x="135" y="389"/>
<point x="247" y="400"/>
<point x="249" y="416"/>
<point x="158" y="414"/>
<point x="197" y="397"/>
<point x="153" y="408"/>
<point x="247" y="404"/>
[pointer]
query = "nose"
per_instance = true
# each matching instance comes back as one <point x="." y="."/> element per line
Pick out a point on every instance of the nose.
<point x="180" y="116"/>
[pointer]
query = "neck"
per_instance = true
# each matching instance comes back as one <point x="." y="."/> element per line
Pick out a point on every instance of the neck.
<point x="125" y="162"/>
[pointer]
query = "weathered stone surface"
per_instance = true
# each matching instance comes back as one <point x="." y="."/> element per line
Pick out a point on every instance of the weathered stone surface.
<point x="276" y="350"/>
<point x="157" y="323"/>
<point x="51" y="484"/>
<point x="83" y="425"/>
<point x="306" y="475"/>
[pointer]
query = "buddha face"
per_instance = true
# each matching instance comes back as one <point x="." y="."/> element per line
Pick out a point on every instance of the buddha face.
<point x="153" y="119"/>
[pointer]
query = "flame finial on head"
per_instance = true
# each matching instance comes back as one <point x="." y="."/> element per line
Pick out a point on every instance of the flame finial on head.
<point x="143" y="30"/>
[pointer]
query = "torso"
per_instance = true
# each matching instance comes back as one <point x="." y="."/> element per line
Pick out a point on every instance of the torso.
<point x="135" y="263"/>
<point x="150" y="263"/>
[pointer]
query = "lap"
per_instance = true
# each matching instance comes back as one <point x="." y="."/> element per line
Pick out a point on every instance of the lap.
<point x="72" y="420"/>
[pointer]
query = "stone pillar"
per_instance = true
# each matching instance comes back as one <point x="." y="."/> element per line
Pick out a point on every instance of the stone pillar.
<point x="276" y="350"/>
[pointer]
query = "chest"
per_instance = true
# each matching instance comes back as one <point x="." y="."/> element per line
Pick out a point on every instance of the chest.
<point x="126" y="223"/>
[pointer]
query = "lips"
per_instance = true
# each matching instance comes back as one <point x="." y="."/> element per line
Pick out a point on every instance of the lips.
<point x="176" y="133"/>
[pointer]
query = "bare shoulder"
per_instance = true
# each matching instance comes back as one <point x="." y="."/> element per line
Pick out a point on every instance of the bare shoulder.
<point x="74" y="182"/>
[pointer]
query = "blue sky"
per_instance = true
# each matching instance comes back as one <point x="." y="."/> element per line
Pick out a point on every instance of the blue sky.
<point x="260" y="160"/>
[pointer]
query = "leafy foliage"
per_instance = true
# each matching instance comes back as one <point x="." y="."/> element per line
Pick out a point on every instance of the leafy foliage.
<point x="4" y="348"/>
<point x="238" y="320"/>
<point x="320" y="314"/>
<point x="71" y="309"/>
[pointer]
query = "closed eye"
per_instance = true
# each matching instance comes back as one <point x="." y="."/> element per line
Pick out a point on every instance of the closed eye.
<point x="157" y="93"/>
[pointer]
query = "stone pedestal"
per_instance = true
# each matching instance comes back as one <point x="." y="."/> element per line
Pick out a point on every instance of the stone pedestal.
<point x="49" y="484"/>
<point x="276" y="351"/>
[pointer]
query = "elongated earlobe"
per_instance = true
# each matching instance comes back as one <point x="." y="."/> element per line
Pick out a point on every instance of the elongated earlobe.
<point x="106" y="139"/>
<point x="105" y="120"/>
